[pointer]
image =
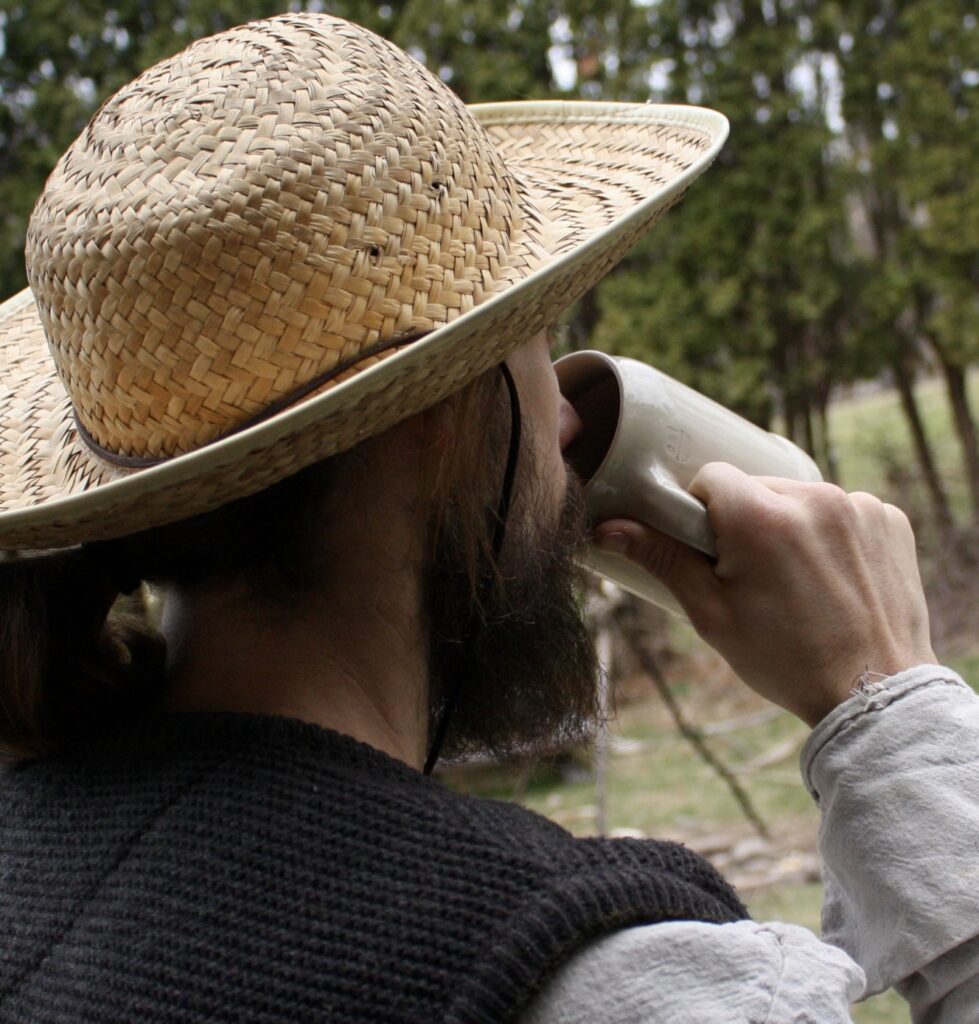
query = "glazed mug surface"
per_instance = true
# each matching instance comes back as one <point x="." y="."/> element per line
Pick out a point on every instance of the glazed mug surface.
<point x="644" y="436"/>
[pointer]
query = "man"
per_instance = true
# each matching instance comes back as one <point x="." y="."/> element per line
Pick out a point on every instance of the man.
<point x="296" y="300"/>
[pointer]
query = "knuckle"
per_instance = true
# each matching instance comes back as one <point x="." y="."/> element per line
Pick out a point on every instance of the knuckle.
<point x="898" y="517"/>
<point x="833" y="496"/>
<point x="899" y="525"/>
<point x="873" y="512"/>
<point x="831" y="504"/>
<point x="864" y="499"/>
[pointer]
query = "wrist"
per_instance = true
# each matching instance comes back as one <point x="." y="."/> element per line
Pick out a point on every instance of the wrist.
<point x="866" y="684"/>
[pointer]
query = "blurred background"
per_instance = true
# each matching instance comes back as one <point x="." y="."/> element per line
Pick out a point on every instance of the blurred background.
<point x="822" y="280"/>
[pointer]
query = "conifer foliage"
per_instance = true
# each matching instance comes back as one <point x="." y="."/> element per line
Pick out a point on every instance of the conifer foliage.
<point x="837" y="239"/>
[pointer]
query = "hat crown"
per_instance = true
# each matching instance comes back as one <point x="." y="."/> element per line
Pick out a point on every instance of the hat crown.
<point x="273" y="208"/>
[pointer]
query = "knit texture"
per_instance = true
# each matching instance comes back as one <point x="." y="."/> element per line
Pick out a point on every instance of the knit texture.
<point x="236" y="868"/>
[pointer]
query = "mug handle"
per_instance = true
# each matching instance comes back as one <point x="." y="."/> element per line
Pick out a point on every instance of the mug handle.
<point x="681" y="515"/>
<point x="619" y="570"/>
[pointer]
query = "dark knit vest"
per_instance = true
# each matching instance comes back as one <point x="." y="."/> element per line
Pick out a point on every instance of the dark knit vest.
<point x="219" y="868"/>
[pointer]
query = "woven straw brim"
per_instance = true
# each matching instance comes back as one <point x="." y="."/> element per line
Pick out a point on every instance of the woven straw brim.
<point x="600" y="173"/>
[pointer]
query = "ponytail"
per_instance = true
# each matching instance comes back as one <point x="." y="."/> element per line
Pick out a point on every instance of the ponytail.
<point x="70" y="662"/>
<point x="74" y="660"/>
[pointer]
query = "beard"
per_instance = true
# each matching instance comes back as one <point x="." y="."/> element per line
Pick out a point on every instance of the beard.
<point x="518" y="651"/>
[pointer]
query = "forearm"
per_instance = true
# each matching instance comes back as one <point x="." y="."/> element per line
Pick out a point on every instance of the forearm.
<point x="896" y="776"/>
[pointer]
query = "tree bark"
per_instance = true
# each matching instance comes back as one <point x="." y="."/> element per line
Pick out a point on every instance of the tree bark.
<point x="828" y="462"/>
<point x="584" y="319"/>
<point x="958" y="396"/>
<point x="809" y="431"/>
<point x="790" y="412"/>
<point x="823" y="449"/>
<point x="904" y="379"/>
<point x="965" y="427"/>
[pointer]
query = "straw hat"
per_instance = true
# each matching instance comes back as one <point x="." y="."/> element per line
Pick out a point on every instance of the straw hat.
<point x="282" y="241"/>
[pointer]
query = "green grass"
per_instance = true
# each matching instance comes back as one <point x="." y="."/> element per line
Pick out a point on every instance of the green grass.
<point x="967" y="666"/>
<point x="656" y="783"/>
<point x="870" y="433"/>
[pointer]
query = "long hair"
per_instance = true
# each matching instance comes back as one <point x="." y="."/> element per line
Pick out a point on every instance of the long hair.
<point x="74" y="658"/>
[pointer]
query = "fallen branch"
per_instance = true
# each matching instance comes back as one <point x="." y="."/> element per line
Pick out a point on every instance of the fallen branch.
<point x="780" y="752"/>
<point x="740" y="722"/>
<point x="690" y="732"/>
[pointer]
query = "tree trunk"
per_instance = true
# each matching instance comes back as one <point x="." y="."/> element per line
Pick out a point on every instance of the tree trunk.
<point x="958" y="397"/>
<point x="584" y="319"/>
<point x="904" y="379"/>
<point x="826" y="457"/>
<point x="965" y="427"/>
<point x="809" y="432"/>
<point x="790" y="413"/>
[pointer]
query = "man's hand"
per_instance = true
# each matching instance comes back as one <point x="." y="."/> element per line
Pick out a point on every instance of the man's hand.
<point x="811" y="588"/>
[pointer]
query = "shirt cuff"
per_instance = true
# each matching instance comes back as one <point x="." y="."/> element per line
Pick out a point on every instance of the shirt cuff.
<point x="863" y="707"/>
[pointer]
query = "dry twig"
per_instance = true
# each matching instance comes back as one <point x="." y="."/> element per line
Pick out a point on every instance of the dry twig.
<point x="690" y="732"/>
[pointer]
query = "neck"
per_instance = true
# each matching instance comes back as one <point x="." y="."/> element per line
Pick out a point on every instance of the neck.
<point x="364" y="675"/>
<point x="352" y="654"/>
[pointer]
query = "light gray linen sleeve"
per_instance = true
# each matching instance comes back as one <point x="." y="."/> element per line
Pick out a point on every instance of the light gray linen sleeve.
<point x="683" y="972"/>
<point x="896" y="775"/>
<point x="895" y="771"/>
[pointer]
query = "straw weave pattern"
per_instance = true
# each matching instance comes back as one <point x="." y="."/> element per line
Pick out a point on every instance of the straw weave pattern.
<point x="265" y="208"/>
<point x="247" y="215"/>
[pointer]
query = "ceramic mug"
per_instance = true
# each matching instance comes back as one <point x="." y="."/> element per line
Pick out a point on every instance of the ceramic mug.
<point x="644" y="437"/>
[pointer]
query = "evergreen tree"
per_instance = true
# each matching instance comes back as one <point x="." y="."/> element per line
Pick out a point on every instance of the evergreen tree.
<point x="911" y="125"/>
<point x="744" y="292"/>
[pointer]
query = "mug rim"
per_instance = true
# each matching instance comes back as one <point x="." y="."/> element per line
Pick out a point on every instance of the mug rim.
<point x="608" y="364"/>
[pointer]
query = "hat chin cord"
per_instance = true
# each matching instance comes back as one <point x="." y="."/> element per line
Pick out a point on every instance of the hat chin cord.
<point x="499" y="534"/>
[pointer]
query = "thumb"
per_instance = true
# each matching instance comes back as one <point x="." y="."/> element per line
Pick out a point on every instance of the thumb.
<point x="684" y="571"/>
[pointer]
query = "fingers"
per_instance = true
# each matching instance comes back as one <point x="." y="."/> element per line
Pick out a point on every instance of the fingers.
<point x="743" y="510"/>
<point x="720" y="480"/>
<point x="761" y="524"/>
<point x="683" y="570"/>
<point x="739" y="504"/>
<point x="811" y="584"/>
<point x="735" y="503"/>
